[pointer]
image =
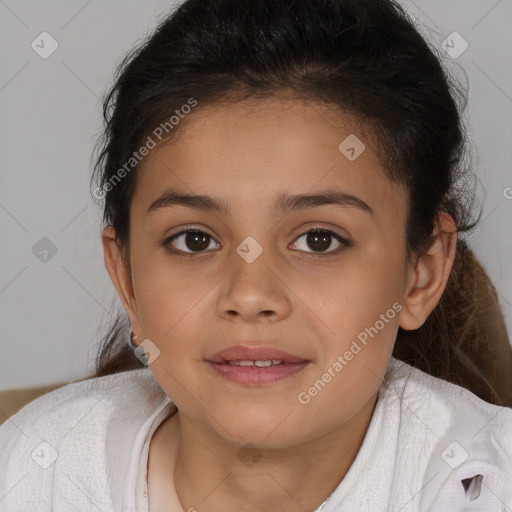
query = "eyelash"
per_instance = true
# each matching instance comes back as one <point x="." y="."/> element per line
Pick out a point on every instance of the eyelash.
<point x="191" y="229"/>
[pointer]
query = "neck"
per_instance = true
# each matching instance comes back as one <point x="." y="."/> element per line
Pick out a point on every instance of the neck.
<point x="213" y="475"/>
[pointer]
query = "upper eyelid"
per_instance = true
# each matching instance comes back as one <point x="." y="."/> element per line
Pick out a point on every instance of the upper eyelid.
<point x="201" y="230"/>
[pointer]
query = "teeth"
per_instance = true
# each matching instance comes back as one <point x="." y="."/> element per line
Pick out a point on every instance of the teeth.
<point x="263" y="363"/>
<point x="260" y="364"/>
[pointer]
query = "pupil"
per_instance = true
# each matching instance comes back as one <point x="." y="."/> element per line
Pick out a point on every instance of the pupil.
<point x="201" y="239"/>
<point x="322" y="241"/>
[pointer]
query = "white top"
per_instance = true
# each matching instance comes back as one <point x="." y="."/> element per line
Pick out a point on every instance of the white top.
<point x="84" y="447"/>
<point x="141" y="491"/>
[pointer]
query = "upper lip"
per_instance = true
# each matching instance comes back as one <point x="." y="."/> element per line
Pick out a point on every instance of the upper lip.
<point x="253" y="353"/>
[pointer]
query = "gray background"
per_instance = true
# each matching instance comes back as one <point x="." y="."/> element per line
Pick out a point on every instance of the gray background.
<point x="53" y="312"/>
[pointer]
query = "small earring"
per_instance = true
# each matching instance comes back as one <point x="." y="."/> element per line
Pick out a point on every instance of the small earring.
<point x="133" y="339"/>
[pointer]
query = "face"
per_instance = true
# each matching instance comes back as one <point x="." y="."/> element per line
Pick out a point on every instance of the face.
<point x="318" y="281"/>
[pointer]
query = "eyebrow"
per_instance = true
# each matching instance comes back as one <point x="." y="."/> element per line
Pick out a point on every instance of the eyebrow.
<point x="283" y="204"/>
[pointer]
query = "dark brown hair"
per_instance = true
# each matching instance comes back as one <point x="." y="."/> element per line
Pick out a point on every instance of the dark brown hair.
<point x="362" y="57"/>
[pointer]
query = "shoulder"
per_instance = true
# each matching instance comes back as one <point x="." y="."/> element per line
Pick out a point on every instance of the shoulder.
<point x="114" y="391"/>
<point x="447" y="404"/>
<point x="67" y="431"/>
<point x="449" y="435"/>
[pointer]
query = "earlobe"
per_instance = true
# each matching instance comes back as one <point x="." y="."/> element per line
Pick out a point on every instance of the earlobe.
<point x="119" y="274"/>
<point x="429" y="275"/>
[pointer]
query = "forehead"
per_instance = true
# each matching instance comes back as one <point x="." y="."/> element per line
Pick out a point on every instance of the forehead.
<point x="250" y="151"/>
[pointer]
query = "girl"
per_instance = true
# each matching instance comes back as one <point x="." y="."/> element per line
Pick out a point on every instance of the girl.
<point x="284" y="188"/>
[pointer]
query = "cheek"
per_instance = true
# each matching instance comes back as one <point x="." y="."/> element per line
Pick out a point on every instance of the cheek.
<point x="352" y="296"/>
<point x="167" y="291"/>
<point x="160" y="307"/>
<point x="359" y="322"/>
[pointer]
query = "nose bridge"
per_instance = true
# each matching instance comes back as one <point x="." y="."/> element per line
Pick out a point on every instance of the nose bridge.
<point x="252" y="265"/>
<point x="254" y="235"/>
<point x="252" y="286"/>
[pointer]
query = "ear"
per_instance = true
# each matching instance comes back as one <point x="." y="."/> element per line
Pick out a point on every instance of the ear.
<point x="120" y="276"/>
<point x="429" y="274"/>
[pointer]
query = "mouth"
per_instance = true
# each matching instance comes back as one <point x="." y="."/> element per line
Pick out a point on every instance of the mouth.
<point x="256" y="366"/>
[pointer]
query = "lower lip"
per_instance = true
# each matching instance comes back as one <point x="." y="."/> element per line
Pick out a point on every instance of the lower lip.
<point x="255" y="375"/>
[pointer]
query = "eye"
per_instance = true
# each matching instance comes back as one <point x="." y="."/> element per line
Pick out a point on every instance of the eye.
<point x="320" y="240"/>
<point x="194" y="239"/>
<point x="190" y="241"/>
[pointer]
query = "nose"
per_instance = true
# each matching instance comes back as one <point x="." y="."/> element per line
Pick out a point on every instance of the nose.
<point x="253" y="292"/>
